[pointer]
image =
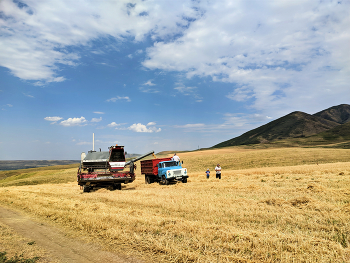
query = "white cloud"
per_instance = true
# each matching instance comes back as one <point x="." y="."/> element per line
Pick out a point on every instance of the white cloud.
<point x="143" y="128"/>
<point x="9" y="105"/>
<point x="96" y="119"/>
<point x="149" y="83"/>
<point x="35" y="34"/>
<point x="113" y="124"/>
<point x="73" y="122"/>
<point x="151" y="124"/>
<point x="99" y="112"/>
<point x="119" y="98"/>
<point x="274" y="52"/>
<point x="54" y="119"/>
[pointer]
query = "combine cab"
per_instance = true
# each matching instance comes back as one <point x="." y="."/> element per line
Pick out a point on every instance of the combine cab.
<point x="106" y="169"/>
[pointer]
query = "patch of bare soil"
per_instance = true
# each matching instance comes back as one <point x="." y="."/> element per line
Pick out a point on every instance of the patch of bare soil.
<point x="57" y="244"/>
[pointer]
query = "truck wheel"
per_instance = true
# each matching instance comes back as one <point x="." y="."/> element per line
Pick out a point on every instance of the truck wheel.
<point x="164" y="180"/>
<point x="148" y="179"/>
<point x="184" y="180"/>
<point x="86" y="189"/>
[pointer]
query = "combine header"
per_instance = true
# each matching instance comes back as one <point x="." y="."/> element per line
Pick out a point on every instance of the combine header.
<point x="106" y="169"/>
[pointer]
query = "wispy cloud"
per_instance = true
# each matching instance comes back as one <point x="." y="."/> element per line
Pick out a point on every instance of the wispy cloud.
<point x="119" y="98"/>
<point x="148" y="90"/>
<point x="96" y="119"/>
<point x="191" y="125"/>
<point x="149" y="83"/>
<point x="189" y="91"/>
<point x="27" y="95"/>
<point x="53" y="119"/>
<point x="99" y="112"/>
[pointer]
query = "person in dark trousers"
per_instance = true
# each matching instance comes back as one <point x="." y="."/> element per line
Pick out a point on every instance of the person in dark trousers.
<point x="207" y="173"/>
<point x="218" y="171"/>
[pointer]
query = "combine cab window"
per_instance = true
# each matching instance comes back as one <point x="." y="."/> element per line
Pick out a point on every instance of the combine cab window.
<point x="117" y="156"/>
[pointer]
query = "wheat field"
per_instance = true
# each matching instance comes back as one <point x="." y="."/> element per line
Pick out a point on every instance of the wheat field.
<point x="272" y="205"/>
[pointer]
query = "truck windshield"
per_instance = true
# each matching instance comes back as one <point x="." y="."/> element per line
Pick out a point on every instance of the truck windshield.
<point x="169" y="164"/>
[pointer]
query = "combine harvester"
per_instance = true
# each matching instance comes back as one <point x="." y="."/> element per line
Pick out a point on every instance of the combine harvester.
<point x="106" y="169"/>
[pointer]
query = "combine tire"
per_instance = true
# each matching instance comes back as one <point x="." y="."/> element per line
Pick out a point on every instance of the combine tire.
<point x="86" y="189"/>
<point x="117" y="187"/>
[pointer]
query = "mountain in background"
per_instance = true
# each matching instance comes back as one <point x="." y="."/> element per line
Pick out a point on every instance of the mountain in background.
<point x="339" y="114"/>
<point x="298" y="125"/>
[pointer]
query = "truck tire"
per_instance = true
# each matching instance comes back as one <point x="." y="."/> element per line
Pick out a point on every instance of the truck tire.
<point x="184" y="180"/>
<point x="164" y="180"/>
<point x="86" y="189"/>
<point x="148" y="179"/>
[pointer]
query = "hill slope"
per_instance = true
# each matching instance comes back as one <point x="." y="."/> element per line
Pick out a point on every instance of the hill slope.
<point x="294" y="125"/>
<point x="339" y="114"/>
<point x="300" y="125"/>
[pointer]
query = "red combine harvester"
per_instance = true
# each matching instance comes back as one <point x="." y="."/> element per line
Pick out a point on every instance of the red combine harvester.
<point x="106" y="169"/>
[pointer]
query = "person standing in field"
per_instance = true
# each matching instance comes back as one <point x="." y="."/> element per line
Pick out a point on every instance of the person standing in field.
<point x="218" y="171"/>
<point x="207" y="173"/>
<point x="176" y="158"/>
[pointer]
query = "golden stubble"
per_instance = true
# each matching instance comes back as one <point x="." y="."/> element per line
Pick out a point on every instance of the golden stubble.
<point x="287" y="213"/>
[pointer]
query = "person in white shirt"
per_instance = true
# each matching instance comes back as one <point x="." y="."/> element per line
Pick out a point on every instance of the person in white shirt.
<point x="176" y="158"/>
<point x="218" y="171"/>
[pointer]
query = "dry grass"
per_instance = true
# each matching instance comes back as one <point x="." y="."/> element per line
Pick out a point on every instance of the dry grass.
<point x="15" y="245"/>
<point x="287" y="213"/>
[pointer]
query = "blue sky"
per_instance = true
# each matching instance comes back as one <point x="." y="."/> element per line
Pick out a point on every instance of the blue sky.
<point x="162" y="75"/>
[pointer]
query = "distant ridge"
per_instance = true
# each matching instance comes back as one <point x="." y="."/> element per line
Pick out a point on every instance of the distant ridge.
<point x="24" y="164"/>
<point x="295" y="125"/>
<point x="339" y="114"/>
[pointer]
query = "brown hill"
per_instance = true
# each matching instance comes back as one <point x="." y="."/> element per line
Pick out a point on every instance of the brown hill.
<point x="294" y="125"/>
<point x="327" y="126"/>
<point x="339" y="114"/>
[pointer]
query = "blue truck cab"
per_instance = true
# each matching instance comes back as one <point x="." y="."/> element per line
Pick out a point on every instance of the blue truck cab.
<point x="171" y="171"/>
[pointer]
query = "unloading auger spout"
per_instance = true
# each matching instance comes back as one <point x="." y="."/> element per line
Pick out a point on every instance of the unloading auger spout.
<point x="131" y="162"/>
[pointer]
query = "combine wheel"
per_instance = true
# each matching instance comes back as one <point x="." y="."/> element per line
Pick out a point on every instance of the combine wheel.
<point x="117" y="187"/>
<point x="184" y="180"/>
<point x="86" y="189"/>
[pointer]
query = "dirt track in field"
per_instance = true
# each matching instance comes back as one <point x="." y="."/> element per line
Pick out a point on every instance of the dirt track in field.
<point x="58" y="245"/>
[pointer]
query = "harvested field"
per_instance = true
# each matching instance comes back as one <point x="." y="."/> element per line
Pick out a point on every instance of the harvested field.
<point x="298" y="211"/>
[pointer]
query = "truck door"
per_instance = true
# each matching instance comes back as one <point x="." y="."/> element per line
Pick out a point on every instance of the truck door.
<point x="160" y="170"/>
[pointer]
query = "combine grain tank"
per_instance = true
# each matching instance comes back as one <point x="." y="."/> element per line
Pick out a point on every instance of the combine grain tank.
<point x="106" y="169"/>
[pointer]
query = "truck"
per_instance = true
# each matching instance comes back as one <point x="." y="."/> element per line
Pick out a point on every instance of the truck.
<point x="107" y="169"/>
<point x="163" y="171"/>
